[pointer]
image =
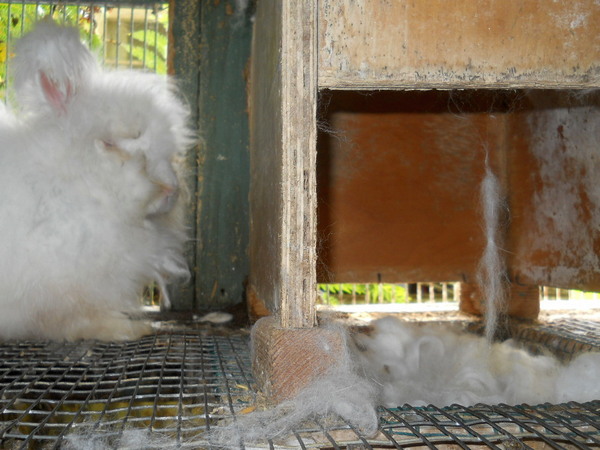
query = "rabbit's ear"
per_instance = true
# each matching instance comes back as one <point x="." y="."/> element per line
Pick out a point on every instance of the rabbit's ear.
<point x="56" y="97"/>
<point x="50" y="66"/>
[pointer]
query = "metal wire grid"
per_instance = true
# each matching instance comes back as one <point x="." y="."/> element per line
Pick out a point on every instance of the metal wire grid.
<point x="564" y="337"/>
<point x="176" y="384"/>
<point x="570" y="425"/>
<point x="182" y="383"/>
<point x="501" y="426"/>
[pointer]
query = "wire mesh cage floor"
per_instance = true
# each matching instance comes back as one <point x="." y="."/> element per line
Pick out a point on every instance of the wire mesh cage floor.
<point x="176" y="383"/>
<point x="180" y="382"/>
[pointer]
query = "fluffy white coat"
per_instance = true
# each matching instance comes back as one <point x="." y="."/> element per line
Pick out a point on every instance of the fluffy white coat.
<point x="91" y="211"/>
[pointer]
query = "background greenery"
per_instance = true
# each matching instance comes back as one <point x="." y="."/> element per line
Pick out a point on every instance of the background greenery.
<point x="143" y="45"/>
<point x="346" y="293"/>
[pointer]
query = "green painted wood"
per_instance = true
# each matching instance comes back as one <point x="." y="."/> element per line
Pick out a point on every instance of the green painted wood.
<point x="223" y="220"/>
<point x="184" y="64"/>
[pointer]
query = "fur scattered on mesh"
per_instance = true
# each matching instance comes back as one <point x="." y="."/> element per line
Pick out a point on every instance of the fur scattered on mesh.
<point x="396" y="363"/>
<point x="401" y="363"/>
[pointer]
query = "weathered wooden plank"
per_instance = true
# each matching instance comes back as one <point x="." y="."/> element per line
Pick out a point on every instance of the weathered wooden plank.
<point x="554" y="197"/>
<point x="223" y="229"/>
<point x="184" y="64"/>
<point x="266" y="157"/>
<point x="459" y="44"/>
<point x="283" y="159"/>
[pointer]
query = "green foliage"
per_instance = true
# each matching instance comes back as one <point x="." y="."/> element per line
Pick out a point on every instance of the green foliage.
<point x="148" y="47"/>
<point x="346" y="293"/>
<point x="151" y="45"/>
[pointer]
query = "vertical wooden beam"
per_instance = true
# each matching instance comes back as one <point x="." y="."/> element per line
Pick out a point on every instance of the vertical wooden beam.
<point x="183" y="64"/>
<point x="283" y="160"/>
<point x="522" y="301"/>
<point x="222" y="238"/>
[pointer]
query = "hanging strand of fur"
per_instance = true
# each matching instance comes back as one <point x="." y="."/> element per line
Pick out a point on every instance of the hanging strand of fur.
<point x="492" y="269"/>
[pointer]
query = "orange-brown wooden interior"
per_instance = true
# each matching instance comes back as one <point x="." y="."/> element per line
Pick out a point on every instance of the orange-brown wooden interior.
<point x="398" y="181"/>
<point x="399" y="176"/>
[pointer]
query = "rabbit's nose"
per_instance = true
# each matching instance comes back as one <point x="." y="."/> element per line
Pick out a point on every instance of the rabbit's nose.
<point x="170" y="194"/>
<point x="165" y="199"/>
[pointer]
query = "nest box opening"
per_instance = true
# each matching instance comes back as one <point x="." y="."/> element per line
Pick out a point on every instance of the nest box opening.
<point x="398" y="176"/>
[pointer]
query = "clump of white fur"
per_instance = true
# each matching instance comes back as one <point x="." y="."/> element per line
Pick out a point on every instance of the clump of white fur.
<point x="132" y="439"/>
<point x="427" y="364"/>
<point x="401" y="363"/>
<point x="340" y="392"/>
<point x="91" y="211"/>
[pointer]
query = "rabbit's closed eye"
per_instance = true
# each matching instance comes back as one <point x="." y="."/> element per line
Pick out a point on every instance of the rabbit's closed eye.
<point x="114" y="149"/>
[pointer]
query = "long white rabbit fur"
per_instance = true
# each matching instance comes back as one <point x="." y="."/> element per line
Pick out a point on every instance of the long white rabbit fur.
<point x="92" y="204"/>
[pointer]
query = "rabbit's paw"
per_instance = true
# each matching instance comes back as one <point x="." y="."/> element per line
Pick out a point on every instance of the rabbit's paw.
<point x="116" y="328"/>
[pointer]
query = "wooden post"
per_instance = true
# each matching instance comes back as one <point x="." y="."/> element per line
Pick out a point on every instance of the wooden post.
<point x="184" y="64"/>
<point x="289" y="352"/>
<point x="224" y="160"/>
<point x="286" y="360"/>
<point x="283" y="160"/>
<point x="206" y="38"/>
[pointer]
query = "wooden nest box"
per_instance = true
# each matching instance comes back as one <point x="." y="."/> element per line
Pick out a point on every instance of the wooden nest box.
<point x="418" y="94"/>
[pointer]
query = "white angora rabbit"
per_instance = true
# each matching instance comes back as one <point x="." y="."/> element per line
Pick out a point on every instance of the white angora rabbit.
<point x="90" y="210"/>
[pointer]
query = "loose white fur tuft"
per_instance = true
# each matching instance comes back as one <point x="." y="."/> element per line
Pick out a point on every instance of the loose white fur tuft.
<point x="492" y="269"/>
<point x="132" y="439"/>
<point x="91" y="210"/>
<point x="401" y="363"/>
<point x="341" y="392"/>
